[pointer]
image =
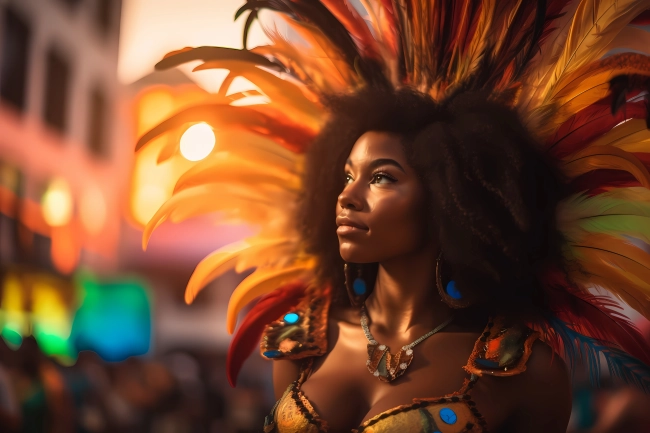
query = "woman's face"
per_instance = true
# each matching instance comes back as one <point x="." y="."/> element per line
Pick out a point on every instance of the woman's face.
<point x="380" y="214"/>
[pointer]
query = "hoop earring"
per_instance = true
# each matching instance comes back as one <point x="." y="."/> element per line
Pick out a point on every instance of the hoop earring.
<point x="449" y="292"/>
<point x="355" y="285"/>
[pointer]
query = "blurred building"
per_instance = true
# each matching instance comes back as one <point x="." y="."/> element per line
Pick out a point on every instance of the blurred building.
<point x="62" y="147"/>
<point x="65" y="157"/>
<point x="74" y="198"/>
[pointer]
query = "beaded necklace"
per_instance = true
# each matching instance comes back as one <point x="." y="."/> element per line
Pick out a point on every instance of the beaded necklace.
<point x="383" y="364"/>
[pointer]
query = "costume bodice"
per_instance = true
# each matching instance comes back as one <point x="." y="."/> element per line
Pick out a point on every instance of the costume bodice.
<point x="502" y="350"/>
<point x="453" y="413"/>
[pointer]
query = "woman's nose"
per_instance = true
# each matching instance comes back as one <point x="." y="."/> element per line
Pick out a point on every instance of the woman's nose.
<point x="350" y="199"/>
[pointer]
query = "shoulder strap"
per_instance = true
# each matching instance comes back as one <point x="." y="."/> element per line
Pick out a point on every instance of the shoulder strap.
<point x="302" y="332"/>
<point x="502" y="349"/>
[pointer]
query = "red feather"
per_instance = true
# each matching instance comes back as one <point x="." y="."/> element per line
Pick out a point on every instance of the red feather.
<point x="598" y="181"/>
<point x="265" y="311"/>
<point x="355" y="25"/>
<point x="553" y="11"/>
<point x="595" y="316"/>
<point x="643" y="157"/>
<point x="642" y="19"/>
<point x="588" y="124"/>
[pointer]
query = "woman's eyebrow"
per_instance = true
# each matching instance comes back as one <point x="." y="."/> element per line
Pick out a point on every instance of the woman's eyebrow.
<point x="386" y="161"/>
<point x="379" y="162"/>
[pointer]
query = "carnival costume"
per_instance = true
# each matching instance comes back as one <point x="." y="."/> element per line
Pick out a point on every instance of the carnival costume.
<point x="578" y="75"/>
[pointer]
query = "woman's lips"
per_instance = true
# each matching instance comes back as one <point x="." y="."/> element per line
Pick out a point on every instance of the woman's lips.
<point x="348" y="230"/>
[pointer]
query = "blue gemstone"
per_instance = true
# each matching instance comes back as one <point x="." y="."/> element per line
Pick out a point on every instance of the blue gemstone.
<point x="359" y="287"/>
<point x="273" y="354"/>
<point x="486" y="363"/>
<point x="291" y="318"/>
<point x="448" y="416"/>
<point x="452" y="290"/>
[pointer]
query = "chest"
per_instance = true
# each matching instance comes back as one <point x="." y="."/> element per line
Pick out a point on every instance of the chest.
<point x="345" y="394"/>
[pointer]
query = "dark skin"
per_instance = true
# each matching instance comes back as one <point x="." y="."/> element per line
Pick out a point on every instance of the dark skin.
<point x="380" y="219"/>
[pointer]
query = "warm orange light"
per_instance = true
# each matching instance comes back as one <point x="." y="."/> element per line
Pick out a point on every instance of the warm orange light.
<point x="147" y="201"/>
<point x="197" y="142"/>
<point x="157" y="166"/>
<point x="57" y="203"/>
<point x="154" y="107"/>
<point x="92" y="209"/>
<point x="65" y="249"/>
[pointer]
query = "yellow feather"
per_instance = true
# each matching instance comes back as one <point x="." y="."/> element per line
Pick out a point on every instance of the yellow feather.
<point x="287" y="94"/>
<point x="224" y="167"/>
<point x="222" y="117"/>
<point x="259" y="283"/>
<point x="623" y="269"/>
<point x="260" y="203"/>
<point x="255" y="147"/>
<point x="479" y="42"/>
<point x="606" y="157"/>
<point x="265" y="253"/>
<point x="599" y="73"/>
<point x="630" y="38"/>
<point x="316" y="72"/>
<point x="543" y="63"/>
<point x="631" y="136"/>
<point x="217" y="263"/>
<point x="240" y="256"/>
<point x="595" y="25"/>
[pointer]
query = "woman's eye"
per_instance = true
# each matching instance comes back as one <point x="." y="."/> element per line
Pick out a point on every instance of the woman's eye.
<point x="348" y="179"/>
<point x="382" y="178"/>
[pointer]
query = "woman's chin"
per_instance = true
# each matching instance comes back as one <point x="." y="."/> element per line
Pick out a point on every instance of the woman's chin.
<point x="353" y="254"/>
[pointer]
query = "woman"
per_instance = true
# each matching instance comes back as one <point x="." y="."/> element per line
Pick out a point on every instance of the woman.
<point x="487" y="171"/>
<point x="391" y="221"/>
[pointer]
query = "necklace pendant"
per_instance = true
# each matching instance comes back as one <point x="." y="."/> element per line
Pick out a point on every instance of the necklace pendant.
<point x="384" y="365"/>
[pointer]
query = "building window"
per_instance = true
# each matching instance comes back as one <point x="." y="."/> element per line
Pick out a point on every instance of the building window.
<point x="16" y="38"/>
<point x="57" y="88"/>
<point x="104" y="16"/>
<point x="97" y="127"/>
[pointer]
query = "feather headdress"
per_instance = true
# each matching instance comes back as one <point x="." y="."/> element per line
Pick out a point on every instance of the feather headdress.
<point x="577" y="72"/>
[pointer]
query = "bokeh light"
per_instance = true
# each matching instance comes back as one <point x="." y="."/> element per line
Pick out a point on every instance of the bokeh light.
<point x="51" y="319"/>
<point x="65" y="250"/>
<point x="95" y="326"/>
<point x="13" y="320"/>
<point x="57" y="203"/>
<point x="197" y="142"/>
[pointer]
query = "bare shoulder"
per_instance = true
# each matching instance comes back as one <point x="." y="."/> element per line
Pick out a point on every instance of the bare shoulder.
<point x="543" y="402"/>
<point x="285" y="371"/>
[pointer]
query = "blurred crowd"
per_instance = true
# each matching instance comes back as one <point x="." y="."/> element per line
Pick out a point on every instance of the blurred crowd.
<point x="186" y="392"/>
<point x="181" y="392"/>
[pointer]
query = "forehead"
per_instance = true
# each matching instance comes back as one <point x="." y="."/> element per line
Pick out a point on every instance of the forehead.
<point x="375" y="144"/>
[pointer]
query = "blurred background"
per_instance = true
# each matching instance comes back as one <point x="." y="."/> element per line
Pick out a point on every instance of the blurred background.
<point x="95" y="335"/>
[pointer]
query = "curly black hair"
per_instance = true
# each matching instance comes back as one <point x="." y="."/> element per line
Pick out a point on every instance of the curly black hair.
<point x="492" y="193"/>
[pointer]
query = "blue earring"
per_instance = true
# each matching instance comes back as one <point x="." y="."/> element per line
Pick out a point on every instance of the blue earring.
<point x="359" y="286"/>
<point x="356" y="286"/>
<point x="449" y="292"/>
